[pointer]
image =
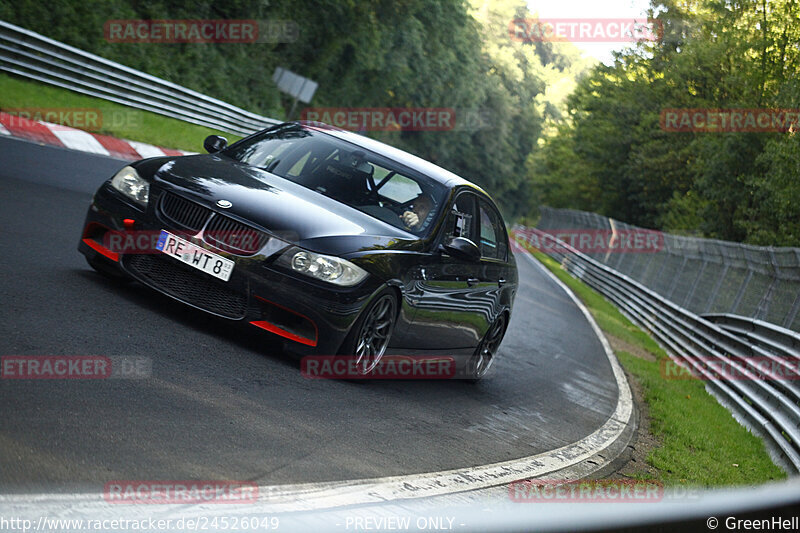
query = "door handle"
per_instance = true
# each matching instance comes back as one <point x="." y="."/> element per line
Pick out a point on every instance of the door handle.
<point x="501" y="282"/>
<point x="472" y="281"/>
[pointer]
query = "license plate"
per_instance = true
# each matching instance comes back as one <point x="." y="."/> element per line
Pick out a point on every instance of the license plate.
<point x="194" y="255"/>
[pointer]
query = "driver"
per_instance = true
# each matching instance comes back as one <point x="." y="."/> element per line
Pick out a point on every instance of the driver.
<point x="415" y="216"/>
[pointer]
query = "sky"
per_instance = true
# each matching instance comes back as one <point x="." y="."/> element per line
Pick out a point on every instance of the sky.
<point x="591" y="9"/>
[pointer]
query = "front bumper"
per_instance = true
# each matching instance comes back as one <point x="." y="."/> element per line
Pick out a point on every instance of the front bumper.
<point x="311" y="316"/>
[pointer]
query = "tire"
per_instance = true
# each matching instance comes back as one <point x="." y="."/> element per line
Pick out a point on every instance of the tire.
<point x="370" y="335"/>
<point x="106" y="270"/>
<point x="479" y="363"/>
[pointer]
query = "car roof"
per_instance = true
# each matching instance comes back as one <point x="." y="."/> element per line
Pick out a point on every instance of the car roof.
<point x="435" y="172"/>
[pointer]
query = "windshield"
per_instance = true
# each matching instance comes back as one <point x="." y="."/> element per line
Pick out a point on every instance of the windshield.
<point x="347" y="173"/>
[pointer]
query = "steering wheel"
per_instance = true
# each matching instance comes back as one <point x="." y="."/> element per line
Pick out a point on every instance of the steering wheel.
<point x="405" y="205"/>
<point x="399" y="209"/>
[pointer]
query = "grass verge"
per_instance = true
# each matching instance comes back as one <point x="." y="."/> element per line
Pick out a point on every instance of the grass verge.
<point x="100" y="116"/>
<point x="701" y="443"/>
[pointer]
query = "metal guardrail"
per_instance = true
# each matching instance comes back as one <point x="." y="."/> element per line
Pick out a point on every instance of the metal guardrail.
<point x="766" y="397"/>
<point x="768" y="336"/>
<point x="34" y="56"/>
<point x="703" y="275"/>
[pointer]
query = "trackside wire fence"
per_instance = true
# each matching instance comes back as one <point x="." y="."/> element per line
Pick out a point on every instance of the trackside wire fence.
<point x="749" y="365"/>
<point x="705" y="276"/>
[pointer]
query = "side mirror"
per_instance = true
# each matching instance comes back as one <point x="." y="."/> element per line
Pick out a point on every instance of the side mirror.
<point x="215" y="143"/>
<point x="462" y="248"/>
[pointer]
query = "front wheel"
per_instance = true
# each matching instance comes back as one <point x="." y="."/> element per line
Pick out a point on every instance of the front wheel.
<point x="484" y="355"/>
<point x="369" y="338"/>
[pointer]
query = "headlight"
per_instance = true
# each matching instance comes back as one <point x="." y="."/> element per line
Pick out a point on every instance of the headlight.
<point x="128" y="182"/>
<point x="323" y="267"/>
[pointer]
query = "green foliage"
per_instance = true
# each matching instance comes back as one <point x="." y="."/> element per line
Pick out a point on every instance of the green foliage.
<point x="232" y="72"/>
<point x="388" y="53"/>
<point x="703" y="445"/>
<point x="737" y="186"/>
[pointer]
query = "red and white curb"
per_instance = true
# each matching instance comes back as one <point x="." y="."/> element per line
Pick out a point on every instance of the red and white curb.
<point x="84" y="141"/>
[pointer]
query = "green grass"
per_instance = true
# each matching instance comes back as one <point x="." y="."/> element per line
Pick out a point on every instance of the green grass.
<point x="115" y="119"/>
<point x="701" y="442"/>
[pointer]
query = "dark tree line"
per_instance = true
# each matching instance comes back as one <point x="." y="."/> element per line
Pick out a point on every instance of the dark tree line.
<point x="613" y="156"/>
<point x="387" y="53"/>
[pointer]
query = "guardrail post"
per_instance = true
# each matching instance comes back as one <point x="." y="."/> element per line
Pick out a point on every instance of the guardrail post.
<point x="690" y="294"/>
<point x="742" y="288"/>
<point x="713" y="296"/>
<point x="792" y="313"/>
<point x="762" y="311"/>
<point x="677" y="276"/>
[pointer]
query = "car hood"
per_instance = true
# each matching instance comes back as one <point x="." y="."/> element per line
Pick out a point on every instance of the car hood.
<point x="279" y="206"/>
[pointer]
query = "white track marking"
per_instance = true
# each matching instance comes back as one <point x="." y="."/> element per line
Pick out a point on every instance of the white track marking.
<point x="77" y="139"/>
<point x="146" y="150"/>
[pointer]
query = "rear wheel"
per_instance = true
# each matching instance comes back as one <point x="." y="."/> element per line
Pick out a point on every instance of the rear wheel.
<point x="369" y="338"/>
<point x="482" y="359"/>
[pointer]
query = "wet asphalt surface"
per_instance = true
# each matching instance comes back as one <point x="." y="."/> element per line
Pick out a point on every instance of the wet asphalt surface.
<point x="223" y="401"/>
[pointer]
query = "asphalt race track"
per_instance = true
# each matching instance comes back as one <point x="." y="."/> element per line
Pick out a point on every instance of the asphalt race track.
<point x="223" y="402"/>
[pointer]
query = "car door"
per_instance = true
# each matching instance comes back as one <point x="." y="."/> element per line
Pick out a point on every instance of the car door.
<point x="451" y="296"/>
<point x="497" y="271"/>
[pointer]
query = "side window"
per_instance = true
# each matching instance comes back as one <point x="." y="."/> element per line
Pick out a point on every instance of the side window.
<point x="462" y="219"/>
<point x="493" y="241"/>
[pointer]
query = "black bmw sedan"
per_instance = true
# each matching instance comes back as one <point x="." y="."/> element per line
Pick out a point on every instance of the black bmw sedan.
<point x="337" y="243"/>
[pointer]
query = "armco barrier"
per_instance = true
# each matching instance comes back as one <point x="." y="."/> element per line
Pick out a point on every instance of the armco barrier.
<point x="34" y="56"/>
<point x="767" y="400"/>
<point x="702" y="275"/>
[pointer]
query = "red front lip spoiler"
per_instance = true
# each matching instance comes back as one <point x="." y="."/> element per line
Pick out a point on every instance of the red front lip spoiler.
<point x="99" y="248"/>
<point x="92" y="229"/>
<point x="272" y="328"/>
<point x="283" y="332"/>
